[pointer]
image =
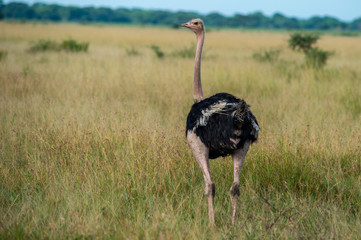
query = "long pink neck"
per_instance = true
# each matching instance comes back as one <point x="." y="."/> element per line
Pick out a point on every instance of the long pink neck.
<point x="197" y="84"/>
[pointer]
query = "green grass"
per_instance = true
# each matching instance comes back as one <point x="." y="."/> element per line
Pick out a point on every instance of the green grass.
<point x="186" y="52"/>
<point x="3" y="55"/>
<point x="132" y="51"/>
<point x="69" y="45"/>
<point x="44" y="45"/>
<point x="72" y="45"/>
<point x="271" y="55"/>
<point x="157" y="50"/>
<point x="93" y="145"/>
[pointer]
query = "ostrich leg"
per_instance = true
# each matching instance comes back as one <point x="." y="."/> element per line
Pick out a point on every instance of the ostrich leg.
<point x="238" y="159"/>
<point x="201" y="153"/>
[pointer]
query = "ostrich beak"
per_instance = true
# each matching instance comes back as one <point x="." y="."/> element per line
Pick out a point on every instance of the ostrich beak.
<point x="185" y="25"/>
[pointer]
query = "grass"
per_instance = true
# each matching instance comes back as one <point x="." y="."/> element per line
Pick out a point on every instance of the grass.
<point x="271" y="55"/>
<point x="72" y="45"/>
<point x="44" y="45"/>
<point x="186" y="52"/>
<point x="69" y="45"/>
<point x="3" y="55"/>
<point x="93" y="146"/>
<point x="158" y="52"/>
<point x="132" y="51"/>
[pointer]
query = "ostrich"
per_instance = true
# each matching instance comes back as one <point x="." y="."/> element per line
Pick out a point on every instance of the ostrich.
<point x="217" y="126"/>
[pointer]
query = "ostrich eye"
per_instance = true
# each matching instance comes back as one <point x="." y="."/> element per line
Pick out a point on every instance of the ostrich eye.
<point x="196" y="23"/>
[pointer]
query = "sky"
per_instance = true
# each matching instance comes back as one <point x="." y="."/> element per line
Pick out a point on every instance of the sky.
<point x="346" y="10"/>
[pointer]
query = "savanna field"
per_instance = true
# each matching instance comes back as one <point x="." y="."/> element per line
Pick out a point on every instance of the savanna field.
<point x="92" y="144"/>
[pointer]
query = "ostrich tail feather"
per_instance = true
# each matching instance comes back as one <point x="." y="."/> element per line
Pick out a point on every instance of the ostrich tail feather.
<point x="242" y="113"/>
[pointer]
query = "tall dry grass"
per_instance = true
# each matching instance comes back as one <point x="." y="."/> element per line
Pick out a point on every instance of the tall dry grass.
<point x="92" y="144"/>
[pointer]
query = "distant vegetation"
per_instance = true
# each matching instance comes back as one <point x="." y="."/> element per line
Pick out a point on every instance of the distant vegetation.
<point x="303" y="42"/>
<point x="57" y="13"/>
<point x="69" y="45"/>
<point x="132" y="51"/>
<point x="270" y="55"/>
<point x="158" y="52"/>
<point x="186" y="52"/>
<point x="3" y="55"/>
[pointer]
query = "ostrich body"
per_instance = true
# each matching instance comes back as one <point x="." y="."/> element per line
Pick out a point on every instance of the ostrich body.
<point x="217" y="126"/>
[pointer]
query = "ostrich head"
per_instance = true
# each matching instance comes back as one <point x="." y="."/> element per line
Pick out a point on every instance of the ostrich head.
<point x="196" y="25"/>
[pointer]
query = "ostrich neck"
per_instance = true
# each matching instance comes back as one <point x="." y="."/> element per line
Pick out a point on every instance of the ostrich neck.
<point x="197" y="84"/>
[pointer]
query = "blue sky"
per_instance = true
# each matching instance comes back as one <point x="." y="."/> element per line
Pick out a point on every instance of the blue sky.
<point x="346" y="10"/>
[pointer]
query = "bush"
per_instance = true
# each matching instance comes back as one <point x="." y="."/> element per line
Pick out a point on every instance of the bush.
<point x="302" y="42"/>
<point x="349" y="33"/>
<point x="317" y="57"/>
<point x="186" y="52"/>
<point x="44" y="45"/>
<point x="267" y="55"/>
<point x="3" y="55"/>
<point x="50" y="45"/>
<point x="74" y="46"/>
<point x="132" y="51"/>
<point x="158" y="52"/>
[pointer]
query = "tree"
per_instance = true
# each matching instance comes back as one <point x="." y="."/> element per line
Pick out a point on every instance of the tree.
<point x="280" y="21"/>
<point x="47" y="12"/>
<point x="356" y="24"/>
<point x="302" y="42"/>
<point x="18" y="11"/>
<point x="1" y="9"/>
<point x="315" y="57"/>
<point x="215" y="19"/>
<point x="53" y="12"/>
<point x="122" y="15"/>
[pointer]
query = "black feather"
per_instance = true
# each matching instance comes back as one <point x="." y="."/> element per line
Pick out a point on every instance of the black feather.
<point x="217" y="126"/>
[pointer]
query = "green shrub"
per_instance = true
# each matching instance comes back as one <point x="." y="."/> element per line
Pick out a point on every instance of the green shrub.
<point x="44" y="45"/>
<point x="186" y="52"/>
<point x="158" y="52"/>
<point x="266" y="55"/>
<point x="317" y="57"/>
<point x="175" y="26"/>
<point x="349" y="33"/>
<point x="74" y="46"/>
<point x="3" y="55"/>
<point x="70" y="45"/>
<point x="132" y="51"/>
<point x="302" y="41"/>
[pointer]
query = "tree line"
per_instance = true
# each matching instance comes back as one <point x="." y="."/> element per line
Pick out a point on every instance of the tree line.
<point x="58" y="13"/>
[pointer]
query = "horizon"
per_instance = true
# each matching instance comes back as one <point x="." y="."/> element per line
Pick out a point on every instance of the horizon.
<point x="304" y="10"/>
